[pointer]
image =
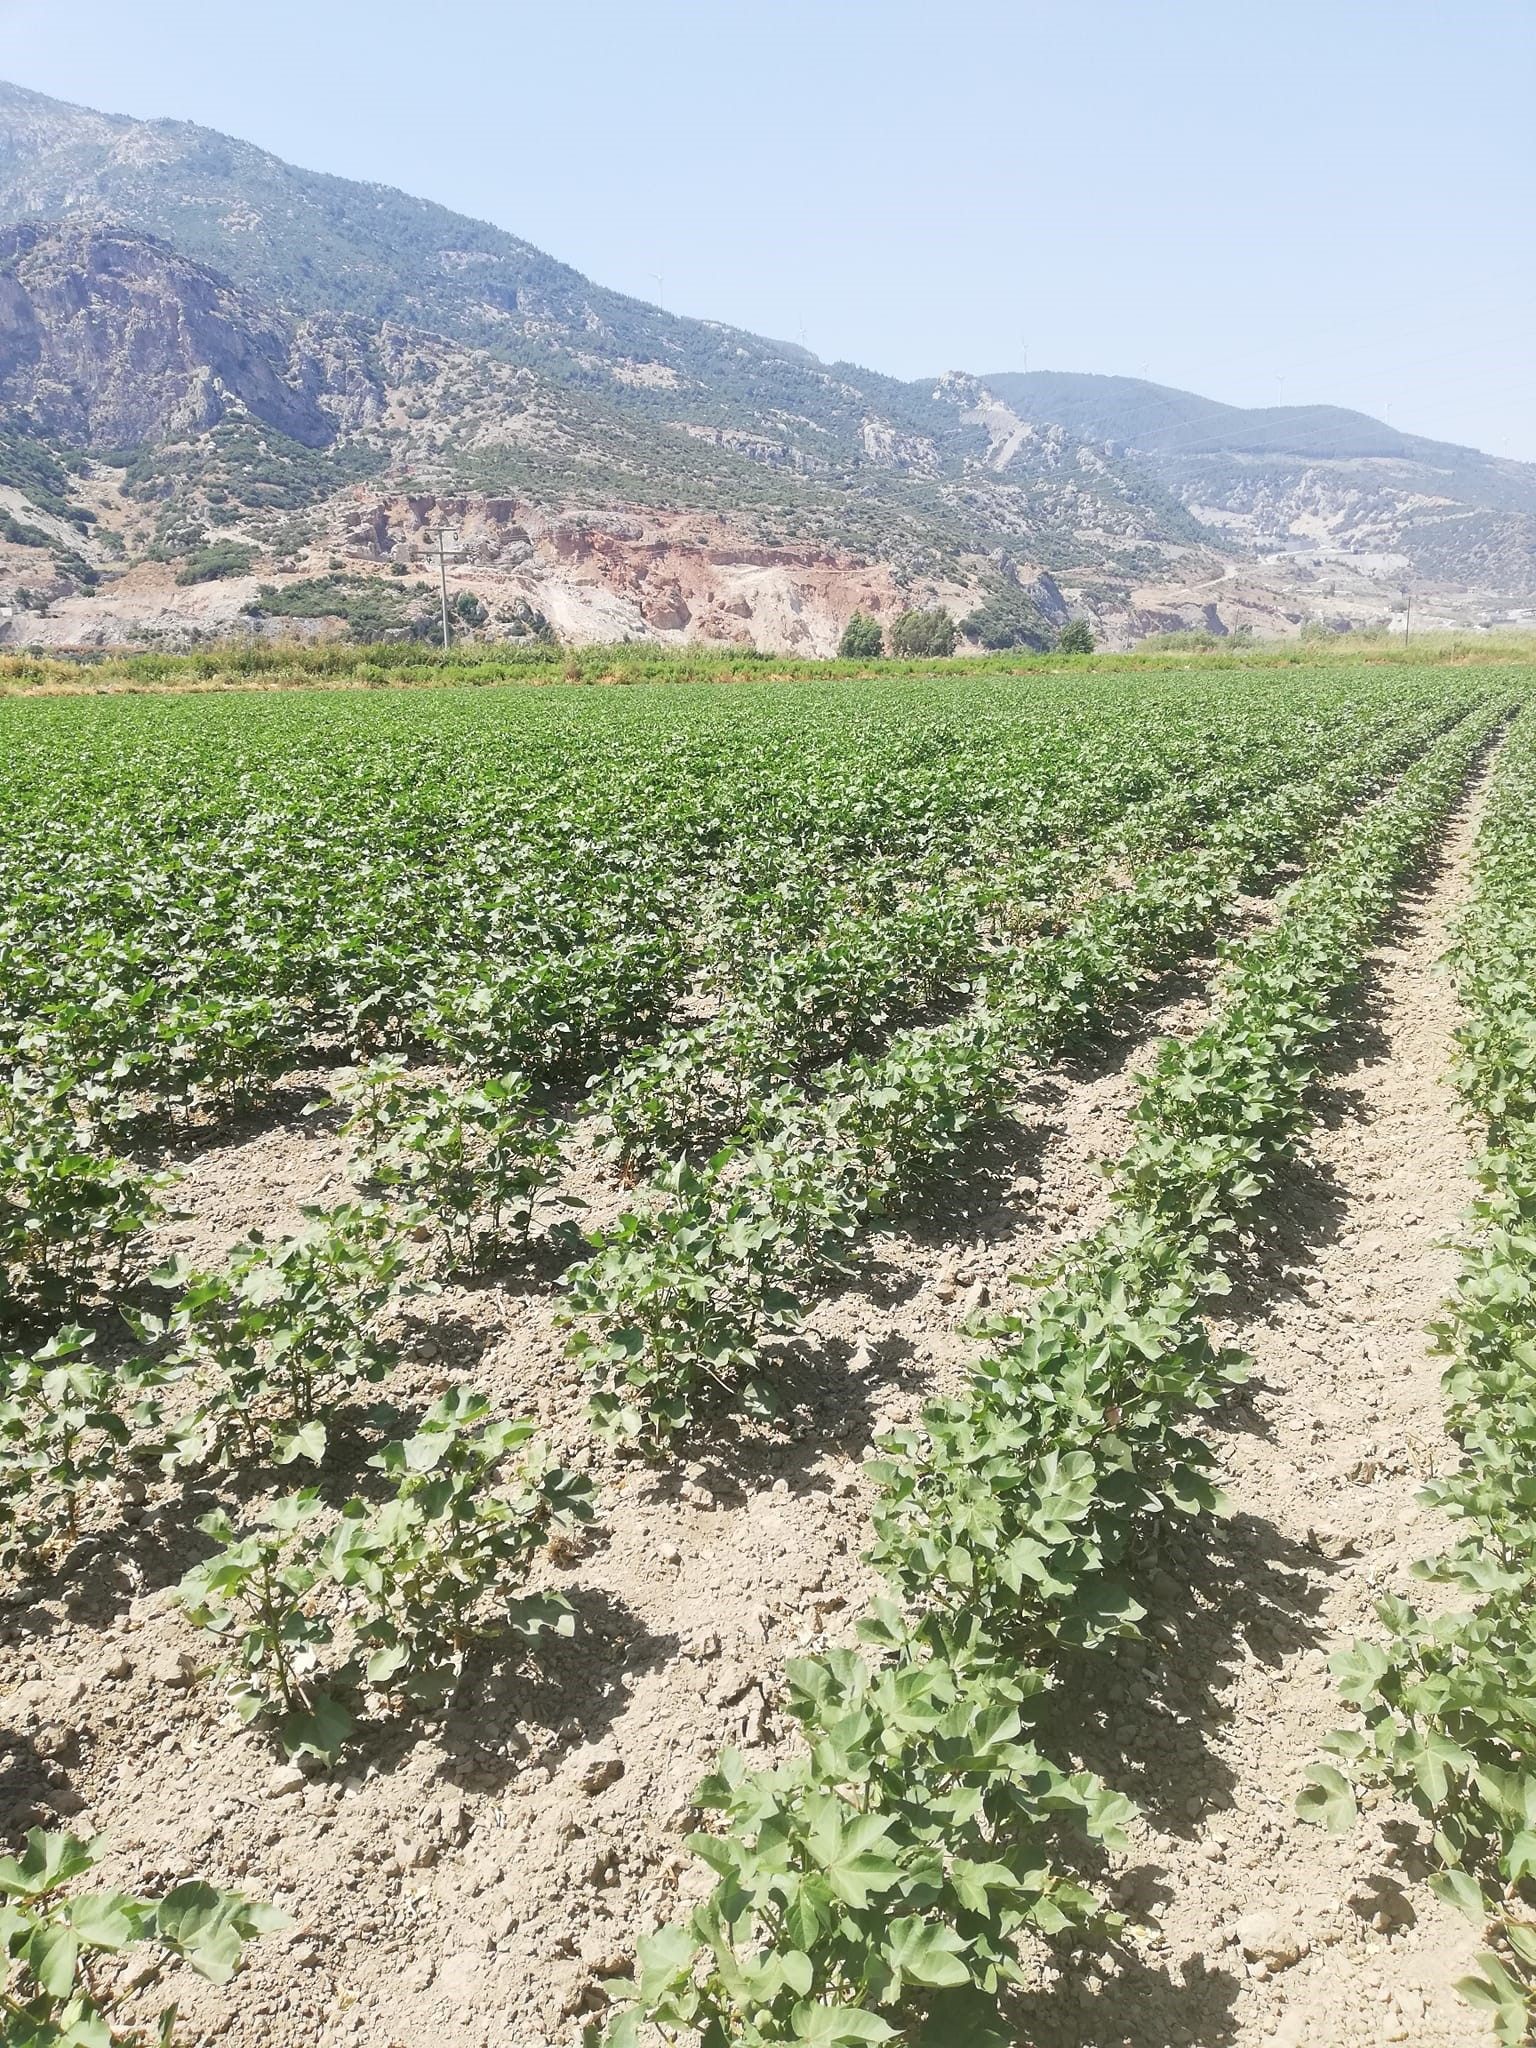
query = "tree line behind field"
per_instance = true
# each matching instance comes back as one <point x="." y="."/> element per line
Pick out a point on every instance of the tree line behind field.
<point x="933" y="632"/>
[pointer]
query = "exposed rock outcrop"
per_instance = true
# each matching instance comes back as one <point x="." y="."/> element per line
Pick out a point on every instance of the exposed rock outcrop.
<point x="109" y="338"/>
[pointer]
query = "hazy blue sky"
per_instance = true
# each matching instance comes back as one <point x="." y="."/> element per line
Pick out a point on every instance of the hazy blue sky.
<point x="1326" y="199"/>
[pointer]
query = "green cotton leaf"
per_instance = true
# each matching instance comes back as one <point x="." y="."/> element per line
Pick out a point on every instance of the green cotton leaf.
<point x="927" y="1953"/>
<point x="1047" y="1916"/>
<point x="319" y="1733"/>
<point x="1462" y="1892"/>
<point x="805" y="1922"/>
<point x="1508" y="1793"/>
<point x="1190" y="1491"/>
<point x="51" y="1956"/>
<point x="1359" y="1671"/>
<point x="541" y="1614"/>
<point x="76" y="2027"/>
<point x="958" y="1566"/>
<point x="1328" y="1799"/>
<point x="661" y="1958"/>
<point x="718" y="1851"/>
<point x="829" y="2026"/>
<point x="975" y="1882"/>
<point x="293" y="1510"/>
<point x="1494" y="1990"/>
<point x="623" y="2032"/>
<point x="47" y="1862"/>
<point x="423" y="1452"/>
<point x="884" y="1625"/>
<point x="1106" y="1814"/>
<point x="210" y="1927"/>
<point x="108" y="1920"/>
<point x="258" y="1917"/>
<point x="383" y="1664"/>
<point x="847" y="1845"/>
<point x="798" y="1971"/>
<point x="184" y="1911"/>
<point x="307" y="1441"/>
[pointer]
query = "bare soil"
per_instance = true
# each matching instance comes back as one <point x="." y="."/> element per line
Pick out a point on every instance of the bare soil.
<point x="467" y="1882"/>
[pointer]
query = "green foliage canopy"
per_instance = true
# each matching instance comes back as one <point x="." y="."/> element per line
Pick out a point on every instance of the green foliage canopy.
<point x="930" y="632"/>
<point x="1007" y="619"/>
<point x="219" y="559"/>
<point x="862" y="639"/>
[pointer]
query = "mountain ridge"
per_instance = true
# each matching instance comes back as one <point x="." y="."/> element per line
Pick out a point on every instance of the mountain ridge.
<point x="1168" y="425"/>
<point x="387" y="337"/>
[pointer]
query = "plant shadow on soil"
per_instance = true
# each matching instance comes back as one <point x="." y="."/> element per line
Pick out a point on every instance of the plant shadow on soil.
<point x="27" y="1796"/>
<point x="570" y="1687"/>
<point x="989" y="1193"/>
<point x="1142" y="1716"/>
<point x="299" y="1101"/>
<point x="826" y="1404"/>
<point x="1143" y="2005"/>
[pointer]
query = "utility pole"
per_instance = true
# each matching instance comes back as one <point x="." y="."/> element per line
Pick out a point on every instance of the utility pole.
<point x="442" y="577"/>
<point x="1408" y="589"/>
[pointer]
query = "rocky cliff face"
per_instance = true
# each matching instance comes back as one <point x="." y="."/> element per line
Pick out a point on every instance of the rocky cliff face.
<point x="623" y="575"/>
<point x="110" y="339"/>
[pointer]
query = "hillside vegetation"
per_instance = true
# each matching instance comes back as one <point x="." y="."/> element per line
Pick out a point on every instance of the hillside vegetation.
<point x="295" y="335"/>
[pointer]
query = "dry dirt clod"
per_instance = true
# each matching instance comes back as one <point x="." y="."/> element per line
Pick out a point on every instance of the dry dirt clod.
<point x="599" y="1773"/>
<point x="176" y="1668"/>
<point x="1267" y="1938"/>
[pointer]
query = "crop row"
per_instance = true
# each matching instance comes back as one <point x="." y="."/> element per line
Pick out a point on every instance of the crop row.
<point x="276" y="1349"/>
<point x="681" y="1292"/>
<point x="1447" y="1702"/>
<point x="193" y="907"/>
<point x="71" y="1204"/>
<point x="878" y="1885"/>
<point x="286" y="1335"/>
<point x="790" y="999"/>
<point x="322" y="1602"/>
<point x="257" y="1359"/>
<point x="180" y="928"/>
